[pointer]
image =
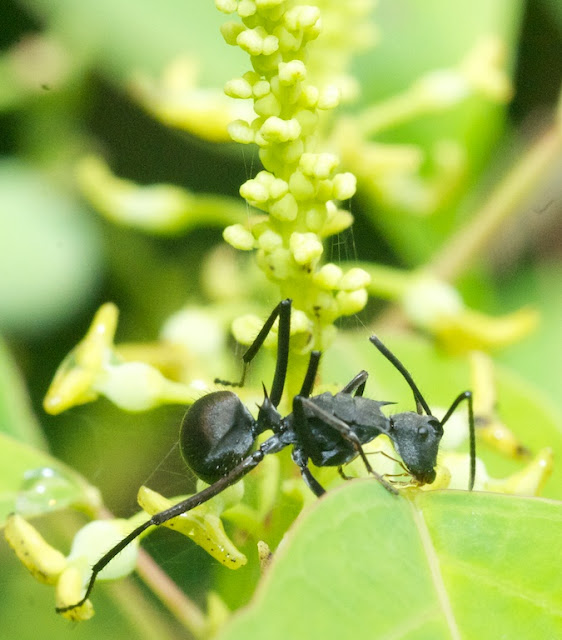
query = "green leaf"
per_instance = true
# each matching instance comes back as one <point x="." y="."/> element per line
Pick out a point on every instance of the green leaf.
<point x="126" y="36"/>
<point x="32" y="482"/>
<point x="363" y="563"/>
<point x="438" y="34"/>
<point x="16" y="417"/>
<point x="49" y="251"/>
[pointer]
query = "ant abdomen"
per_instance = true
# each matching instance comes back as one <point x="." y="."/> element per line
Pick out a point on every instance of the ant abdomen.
<point x="216" y="433"/>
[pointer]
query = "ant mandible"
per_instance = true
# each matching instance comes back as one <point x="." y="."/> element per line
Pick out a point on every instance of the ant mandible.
<point x="218" y="432"/>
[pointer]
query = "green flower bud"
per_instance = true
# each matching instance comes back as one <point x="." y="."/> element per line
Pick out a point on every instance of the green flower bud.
<point x="300" y="186"/>
<point x="324" y="190"/>
<point x="277" y="130"/>
<point x="350" y="302"/>
<point x="231" y="30"/>
<point x="309" y="96"/>
<point x="292" y="151"/>
<point x="276" y="264"/>
<point x="253" y="41"/>
<point x="239" y="237"/>
<point x="305" y="247"/>
<point x="267" y="106"/>
<point x="292" y="72"/>
<point x="278" y="188"/>
<point x="328" y="276"/>
<point x="315" y="218"/>
<point x="286" y="208"/>
<point x="269" y="4"/>
<point x="301" y="17"/>
<point x="355" y="279"/>
<point x="269" y="241"/>
<point x="226" y="6"/>
<point x="238" y="88"/>
<point x="338" y="220"/>
<point x="345" y="185"/>
<point x="253" y="191"/>
<point x="240" y="131"/>
<point x="319" y="165"/>
<point x="246" y="8"/>
<point x="261" y="88"/>
<point x="288" y="41"/>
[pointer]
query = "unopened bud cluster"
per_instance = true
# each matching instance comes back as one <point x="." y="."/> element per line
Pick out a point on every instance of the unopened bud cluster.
<point x="299" y="187"/>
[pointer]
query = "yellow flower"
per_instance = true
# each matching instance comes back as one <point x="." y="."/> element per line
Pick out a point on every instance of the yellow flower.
<point x="202" y="524"/>
<point x="70" y="575"/>
<point x="93" y="368"/>
<point x="74" y="380"/>
<point x="158" y="208"/>
<point x="436" y="306"/>
<point x="177" y="101"/>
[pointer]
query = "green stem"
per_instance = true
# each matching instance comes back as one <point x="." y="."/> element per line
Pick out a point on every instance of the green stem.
<point x="465" y="247"/>
<point x="184" y="610"/>
<point x="141" y="614"/>
<point x="392" y="112"/>
<point x="219" y="210"/>
<point x="387" y="283"/>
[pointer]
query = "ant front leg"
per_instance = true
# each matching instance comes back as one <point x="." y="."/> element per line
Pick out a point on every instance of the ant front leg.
<point x="356" y="384"/>
<point x="283" y="312"/>
<point x="310" y="377"/>
<point x="466" y="395"/>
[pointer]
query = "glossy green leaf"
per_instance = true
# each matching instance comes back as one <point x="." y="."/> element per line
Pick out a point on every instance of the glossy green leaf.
<point x="32" y="482"/>
<point x="445" y="565"/>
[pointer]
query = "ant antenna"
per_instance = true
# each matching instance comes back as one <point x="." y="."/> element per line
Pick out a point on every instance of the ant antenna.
<point x="420" y="402"/>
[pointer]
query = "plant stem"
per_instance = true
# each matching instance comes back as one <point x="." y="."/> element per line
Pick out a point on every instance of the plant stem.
<point x="462" y="250"/>
<point x="185" y="611"/>
<point x="143" y="616"/>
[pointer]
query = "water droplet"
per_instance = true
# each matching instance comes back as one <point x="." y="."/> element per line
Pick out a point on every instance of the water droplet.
<point x="44" y="490"/>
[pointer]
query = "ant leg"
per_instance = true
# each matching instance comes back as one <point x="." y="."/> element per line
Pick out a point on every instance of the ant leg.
<point x="420" y="402"/>
<point x="308" y="382"/>
<point x="312" y="483"/>
<point x="356" y="384"/>
<point x="271" y="445"/>
<point x="339" y="425"/>
<point x="302" y="461"/>
<point x="343" y="474"/>
<point x="283" y="312"/>
<point x="466" y="395"/>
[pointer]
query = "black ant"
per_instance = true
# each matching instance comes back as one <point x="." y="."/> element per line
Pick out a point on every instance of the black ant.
<point x="218" y="432"/>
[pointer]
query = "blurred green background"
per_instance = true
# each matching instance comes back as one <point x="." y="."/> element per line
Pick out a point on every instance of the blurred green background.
<point x="64" y="69"/>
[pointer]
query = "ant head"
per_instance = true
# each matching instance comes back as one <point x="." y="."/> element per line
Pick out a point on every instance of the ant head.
<point x="416" y="438"/>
